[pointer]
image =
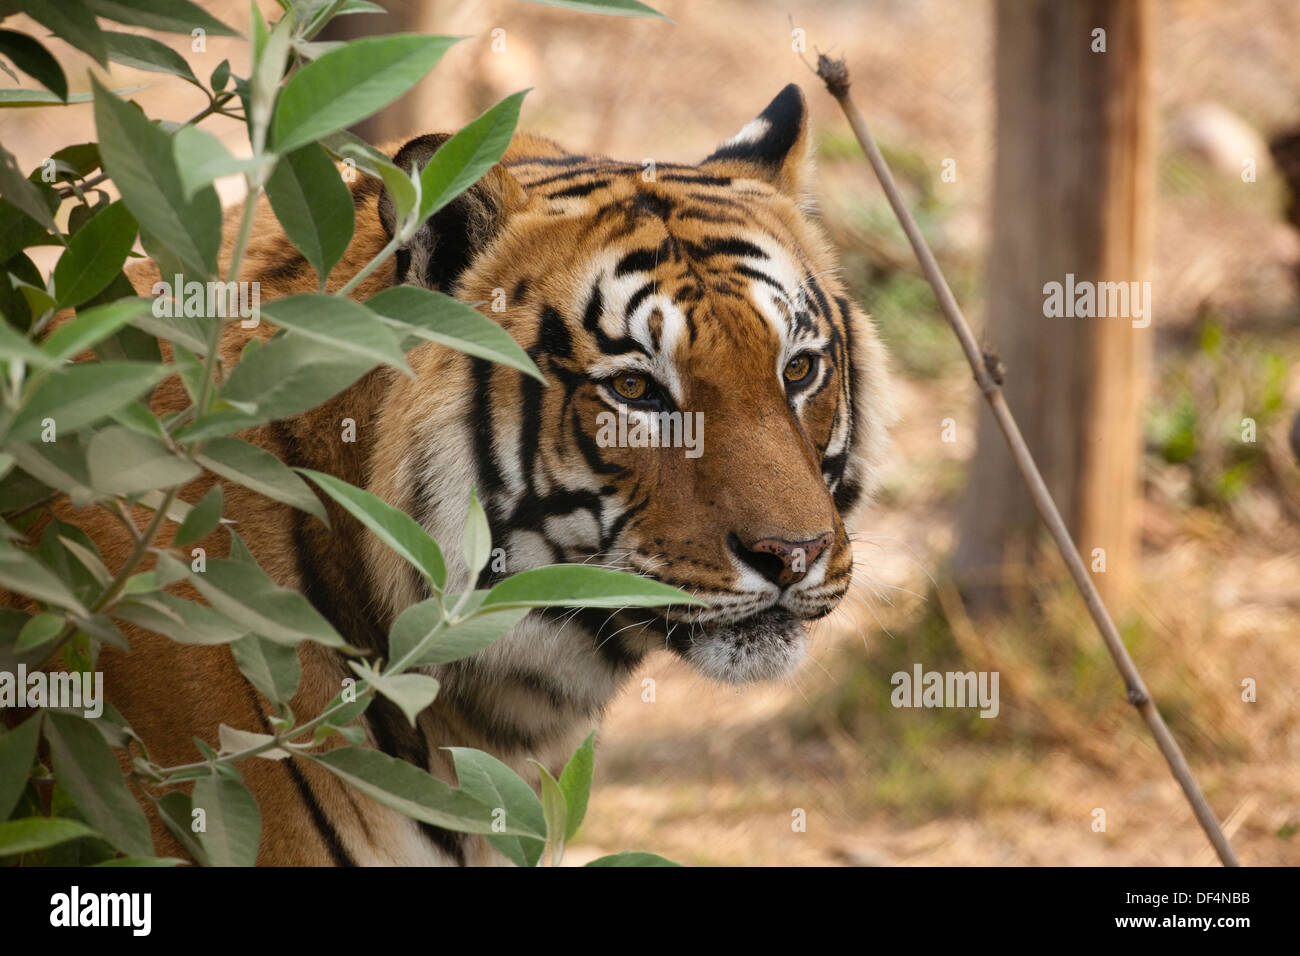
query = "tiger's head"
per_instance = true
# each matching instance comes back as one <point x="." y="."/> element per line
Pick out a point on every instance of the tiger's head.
<point x="717" y="404"/>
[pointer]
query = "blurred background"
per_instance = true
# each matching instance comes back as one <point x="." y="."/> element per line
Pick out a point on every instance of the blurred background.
<point x="1163" y="159"/>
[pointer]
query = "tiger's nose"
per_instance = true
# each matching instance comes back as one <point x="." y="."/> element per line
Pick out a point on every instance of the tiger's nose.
<point x="779" y="561"/>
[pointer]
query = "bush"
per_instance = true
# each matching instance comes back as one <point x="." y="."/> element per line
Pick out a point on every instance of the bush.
<point x="80" y="425"/>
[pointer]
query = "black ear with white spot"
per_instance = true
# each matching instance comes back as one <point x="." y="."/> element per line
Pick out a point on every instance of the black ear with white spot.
<point x="773" y="145"/>
<point x="442" y="248"/>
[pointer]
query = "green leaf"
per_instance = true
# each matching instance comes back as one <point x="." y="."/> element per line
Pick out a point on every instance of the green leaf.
<point x="350" y="83"/>
<point x="400" y="186"/>
<point x="72" y="21"/>
<point x="124" y="462"/>
<point x="409" y="790"/>
<point x="410" y="692"/>
<point x="478" y="537"/>
<point x="202" y="519"/>
<point x="16" y="98"/>
<point x="288" y="376"/>
<point x="41" y="629"/>
<point x="85" y="767"/>
<point x="24" y="194"/>
<point x="439" y="318"/>
<point x="201" y="158"/>
<point x="313" y="205"/>
<point x="91" y="326"/>
<point x="271" y="50"/>
<point x="582" y="585"/>
<point x="575" y="782"/>
<point x="620" y="8"/>
<point x="243" y="593"/>
<point x="39" y="833"/>
<point x="325" y="10"/>
<point x="21" y="573"/>
<point x="394" y="527"/>
<point x="174" y="811"/>
<point x="169" y="16"/>
<point x="115" y="728"/>
<point x="342" y="323"/>
<point x="33" y="59"/>
<point x="632" y="858"/>
<point x="94" y="255"/>
<point x="349" y="710"/>
<point x="17" y="753"/>
<point x="260" y="30"/>
<point x="138" y="155"/>
<point x="91" y="204"/>
<point x="271" y="668"/>
<point x="456" y="642"/>
<point x="234" y="822"/>
<point x="412" y="626"/>
<point x="185" y="331"/>
<point x="185" y="622"/>
<point x="38" y="300"/>
<point x="14" y="346"/>
<point x="220" y="76"/>
<point x="462" y="160"/>
<point x="238" y="550"/>
<point x="80" y="159"/>
<point x="177" y="509"/>
<point x="146" y="582"/>
<point x="60" y="465"/>
<point x="13" y="297"/>
<point x="471" y="636"/>
<point x="83" y="549"/>
<point x="83" y="393"/>
<point x="167" y="569"/>
<point x="343" y="145"/>
<point x="128" y="342"/>
<point x="146" y="53"/>
<point x="236" y="741"/>
<point x="483" y="776"/>
<point x="189" y="369"/>
<point x="556" y="813"/>
<point x="18" y="231"/>
<point x="81" y="568"/>
<point x="256" y="468"/>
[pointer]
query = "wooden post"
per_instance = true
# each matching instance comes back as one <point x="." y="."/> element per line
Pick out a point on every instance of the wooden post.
<point x="1073" y="196"/>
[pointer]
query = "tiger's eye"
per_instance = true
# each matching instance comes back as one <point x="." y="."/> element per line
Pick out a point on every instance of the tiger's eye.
<point x="630" y="386"/>
<point x="797" y="369"/>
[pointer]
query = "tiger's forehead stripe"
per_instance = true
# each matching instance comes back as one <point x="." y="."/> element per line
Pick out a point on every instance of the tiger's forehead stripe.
<point x="631" y="303"/>
<point x="636" y="308"/>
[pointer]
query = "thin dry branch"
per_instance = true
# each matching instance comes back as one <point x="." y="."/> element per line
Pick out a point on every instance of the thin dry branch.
<point x="988" y="375"/>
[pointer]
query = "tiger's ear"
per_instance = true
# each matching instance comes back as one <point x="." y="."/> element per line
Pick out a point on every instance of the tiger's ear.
<point x="773" y="145"/>
<point x="442" y="248"/>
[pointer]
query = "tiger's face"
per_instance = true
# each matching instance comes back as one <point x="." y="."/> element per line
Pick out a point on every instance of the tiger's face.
<point x="717" y="405"/>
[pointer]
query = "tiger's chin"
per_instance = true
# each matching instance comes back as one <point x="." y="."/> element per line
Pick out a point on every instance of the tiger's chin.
<point x="765" y="646"/>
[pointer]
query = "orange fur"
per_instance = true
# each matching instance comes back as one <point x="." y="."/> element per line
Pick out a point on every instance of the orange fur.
<point x="762" y="477"/>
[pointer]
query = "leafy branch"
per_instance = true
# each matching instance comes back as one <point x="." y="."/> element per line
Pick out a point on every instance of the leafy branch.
<point x="82" y="429"/>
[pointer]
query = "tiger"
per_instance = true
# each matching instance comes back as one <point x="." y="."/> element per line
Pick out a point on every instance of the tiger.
<point x="706" y="289"/>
